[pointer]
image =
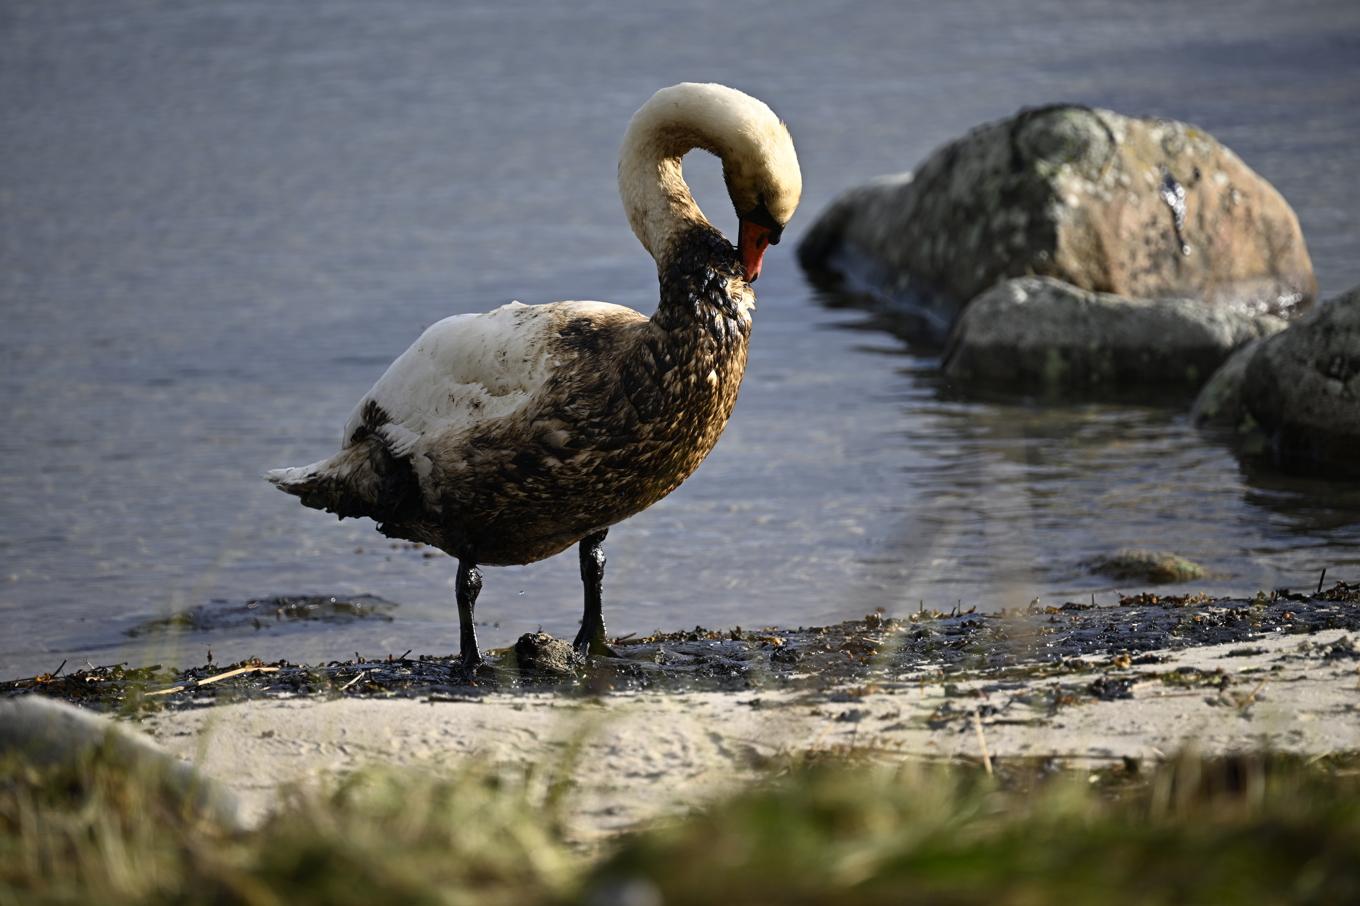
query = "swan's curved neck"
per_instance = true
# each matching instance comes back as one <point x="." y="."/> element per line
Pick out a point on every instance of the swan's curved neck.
<point x="759" y="164"/>
<point x="655" y="195"/>
<point x="731" y="125"/>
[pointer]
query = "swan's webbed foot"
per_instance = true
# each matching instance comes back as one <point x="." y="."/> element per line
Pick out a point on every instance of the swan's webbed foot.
<point x="472" y="661"/>
<point x="591" y="639"/>
<point x="466" y="589"/>
<point x="593" y="645"/>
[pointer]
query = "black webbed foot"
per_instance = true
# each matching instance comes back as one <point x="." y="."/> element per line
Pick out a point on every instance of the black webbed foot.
<point x="468" y="585"/>
<point x="591" y="640"/>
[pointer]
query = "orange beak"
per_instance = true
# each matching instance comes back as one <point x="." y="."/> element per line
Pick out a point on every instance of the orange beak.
<point x="752" y="241"/>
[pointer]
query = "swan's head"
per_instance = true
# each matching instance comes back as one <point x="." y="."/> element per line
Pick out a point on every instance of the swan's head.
<point x="760" y="166"/>
<point x="763" y="180"/>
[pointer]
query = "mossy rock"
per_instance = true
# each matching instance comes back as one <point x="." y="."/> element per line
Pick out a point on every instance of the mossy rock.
<point x="1154" y="567"/>
<point x="1136" y="207"/>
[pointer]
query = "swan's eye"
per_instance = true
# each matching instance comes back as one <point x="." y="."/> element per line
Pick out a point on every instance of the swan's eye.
<point x="761" y="215"/>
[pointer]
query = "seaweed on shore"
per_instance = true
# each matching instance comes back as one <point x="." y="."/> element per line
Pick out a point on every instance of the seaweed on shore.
<point x="1032" y="642"/>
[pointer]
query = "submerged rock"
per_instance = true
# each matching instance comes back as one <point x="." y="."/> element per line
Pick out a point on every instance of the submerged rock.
<point x="1294" y="398"/>
<point x="1153" y="567"/>
<point x="1044" y="334"/>
<point x="262" y="613"/>
<point x="1137" y="207"/>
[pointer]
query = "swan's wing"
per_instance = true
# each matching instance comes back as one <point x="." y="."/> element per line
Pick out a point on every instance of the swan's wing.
<point x="469" y="369"/>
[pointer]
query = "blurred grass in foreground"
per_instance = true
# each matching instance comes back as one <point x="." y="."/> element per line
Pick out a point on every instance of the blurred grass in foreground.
<point x="1246" y="829"/>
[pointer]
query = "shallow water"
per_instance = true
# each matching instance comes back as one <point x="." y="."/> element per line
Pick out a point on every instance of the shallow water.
<point x="221" y="221"/>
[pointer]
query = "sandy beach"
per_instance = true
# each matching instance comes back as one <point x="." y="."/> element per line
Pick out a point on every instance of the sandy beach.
<point x="638" y="756"/>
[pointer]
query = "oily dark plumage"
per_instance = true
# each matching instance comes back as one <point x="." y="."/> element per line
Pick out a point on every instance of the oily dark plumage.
<point x="638" y="407"/>
<point x="506" y="437"/>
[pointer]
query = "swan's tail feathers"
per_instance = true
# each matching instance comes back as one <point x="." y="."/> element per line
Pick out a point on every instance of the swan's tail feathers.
<point x="301" y="480"/>
<point x="362" y="480"/>
<point x="296" y="479"/>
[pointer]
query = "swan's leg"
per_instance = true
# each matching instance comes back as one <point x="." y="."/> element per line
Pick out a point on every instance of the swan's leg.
<point x="468" y="585"/>
<point x="591" y="639"/>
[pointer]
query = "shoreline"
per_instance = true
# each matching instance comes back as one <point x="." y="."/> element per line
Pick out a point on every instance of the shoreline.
<point x="681" y="718"/>
<point x="876" y="649"/>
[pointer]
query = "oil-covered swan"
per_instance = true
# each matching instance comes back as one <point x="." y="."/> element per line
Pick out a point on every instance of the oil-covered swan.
<point x="507" y="437"/>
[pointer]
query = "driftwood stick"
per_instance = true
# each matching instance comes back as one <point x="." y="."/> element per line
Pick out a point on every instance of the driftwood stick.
<point x="1250" y="698"/>
<point x="212" y="679"/>
<point x="982" y="742"/>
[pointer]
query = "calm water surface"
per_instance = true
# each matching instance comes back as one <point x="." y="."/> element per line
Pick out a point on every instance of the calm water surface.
<point x="221" y="221"/>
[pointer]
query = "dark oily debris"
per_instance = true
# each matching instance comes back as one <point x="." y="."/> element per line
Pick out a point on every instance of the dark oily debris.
<point x="1194" y="677"/>
<point x="1035" y="642"/>
<point x="1109" y="688"/>
<point x="107" y="687"/>
<point x="1343" y="649"/>
<point x="1247" y="651"/>
<point x="261" y="613"/>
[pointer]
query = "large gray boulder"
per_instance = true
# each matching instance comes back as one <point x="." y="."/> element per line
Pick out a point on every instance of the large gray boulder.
<point x="1041" y="334"/>
<point x="1137" y="207"/>
<point x="1294" y="398"/>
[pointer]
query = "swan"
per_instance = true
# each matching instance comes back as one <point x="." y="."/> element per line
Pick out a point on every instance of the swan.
<point x="506" y="437"/>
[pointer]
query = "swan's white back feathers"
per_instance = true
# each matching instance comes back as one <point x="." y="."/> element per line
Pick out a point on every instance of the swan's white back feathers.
<point x="466" y="370"/>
